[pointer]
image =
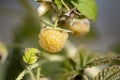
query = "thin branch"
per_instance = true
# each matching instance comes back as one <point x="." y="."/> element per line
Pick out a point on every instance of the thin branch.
<point x="65" y="5"/>
<point x="31" y="73"/>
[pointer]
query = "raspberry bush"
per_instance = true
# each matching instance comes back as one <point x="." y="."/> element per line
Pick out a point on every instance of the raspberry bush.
<point x="58" y="23"/>
<point x="70" y="17"/>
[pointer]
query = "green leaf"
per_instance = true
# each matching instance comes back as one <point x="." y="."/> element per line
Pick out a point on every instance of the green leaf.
<point x="86" y="7"/>
<point x="30" y="55"/>
<point x="116" y="61"/>
<point x="110" y="73"/>
<point x="103" y="61"/>
<point x="83" y="57"/>
<point x="59" y="4"/>
<point x="69" y="65"/>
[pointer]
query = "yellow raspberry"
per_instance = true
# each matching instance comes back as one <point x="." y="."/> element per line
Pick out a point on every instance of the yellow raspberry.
<point x="52" y="39"/>
<point x="79" y="27"/>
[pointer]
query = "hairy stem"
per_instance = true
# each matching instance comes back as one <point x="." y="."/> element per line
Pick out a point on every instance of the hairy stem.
<point x="56" y="23"/>
<point x="21" y="75"/>
<point x="46" y="23"/>
<point x="65" y="5"/>
<point x="38" y="73"/>
<point x="31" y="73"/>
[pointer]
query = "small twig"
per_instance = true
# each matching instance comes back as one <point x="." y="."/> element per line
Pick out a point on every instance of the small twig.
<point x="46" y="23"/>
<point x="31" y="73"/>
<point x="56" y="23"/>
<point x="21" y="75"/>
<point x="65" y="5"/>
<point x="38" y="73"/>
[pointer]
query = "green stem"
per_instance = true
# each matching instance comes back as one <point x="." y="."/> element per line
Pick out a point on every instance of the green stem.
<point x="65" y="5"/>
<point x="38" y="73"/>
<point x="56" y="23"/>
<point x="31" y="73"/>
<point x="45" y="23"/>
<point x="21" y="75"/>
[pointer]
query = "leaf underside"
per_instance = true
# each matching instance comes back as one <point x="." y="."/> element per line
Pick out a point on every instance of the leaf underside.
<point x="110" y="73"/>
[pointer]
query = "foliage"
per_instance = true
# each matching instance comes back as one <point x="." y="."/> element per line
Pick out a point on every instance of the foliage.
<point x="86" y="7"/>
<point x="30" y="55"/>
<point x="110" y="73"/>
<point x="86" y="59"/>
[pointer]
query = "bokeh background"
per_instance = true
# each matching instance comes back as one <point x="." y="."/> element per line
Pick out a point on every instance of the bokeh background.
<point x="14" y="14"/>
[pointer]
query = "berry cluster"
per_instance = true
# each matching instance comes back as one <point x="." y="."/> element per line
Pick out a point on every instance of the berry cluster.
<point x="53" y="39"/>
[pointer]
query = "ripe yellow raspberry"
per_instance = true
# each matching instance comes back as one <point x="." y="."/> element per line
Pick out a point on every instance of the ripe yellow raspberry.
<point x="79" y="27"/>
<point x="52" y="39"/>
